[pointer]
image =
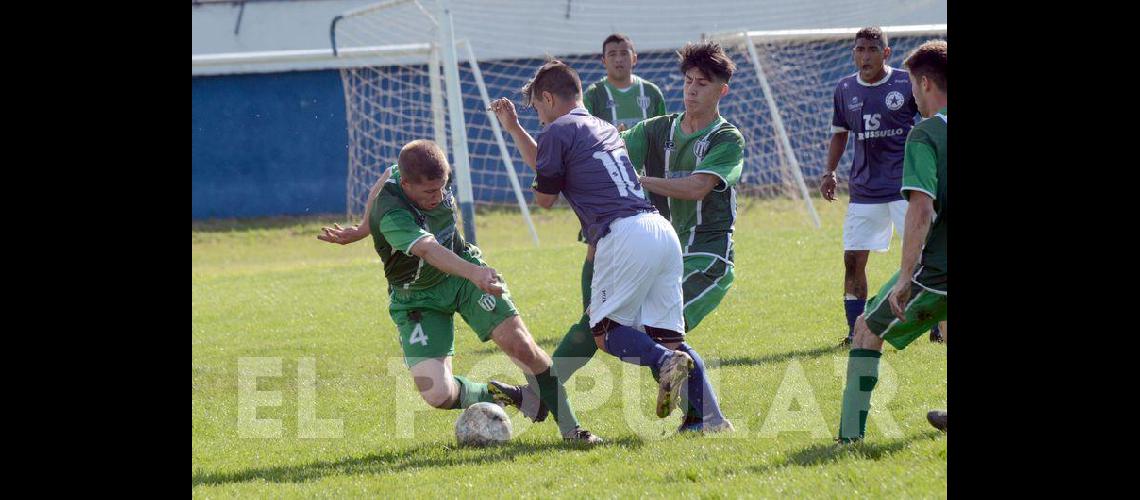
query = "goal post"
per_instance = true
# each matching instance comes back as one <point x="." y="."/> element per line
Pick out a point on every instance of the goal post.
<point x="400" y="91"/>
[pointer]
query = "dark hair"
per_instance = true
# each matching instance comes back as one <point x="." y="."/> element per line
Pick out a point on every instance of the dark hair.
<point x="709" y="57"/>
<point x="616" y="38"/>
<point x="423" y="160"/>
<point x="928" y="60"/>
<point x="554" y="77"/>
<point x="873" y="33"/>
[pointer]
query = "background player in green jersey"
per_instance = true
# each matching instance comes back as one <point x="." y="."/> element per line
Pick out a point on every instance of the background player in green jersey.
<point x="914" y="299"/>
<point x="691" y="163"/>
<point x="432" y="274"/>
<point x="623" y="99"/>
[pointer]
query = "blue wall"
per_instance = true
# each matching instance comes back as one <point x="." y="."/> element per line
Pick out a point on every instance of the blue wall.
<point x="268" y="144"/>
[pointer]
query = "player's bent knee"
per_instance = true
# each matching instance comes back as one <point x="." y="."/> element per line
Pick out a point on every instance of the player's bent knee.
<point x="436" y="395"/>
<point x="864" y="337"/>
<point x="600" y="331"/>
<point x="668" y="338"/>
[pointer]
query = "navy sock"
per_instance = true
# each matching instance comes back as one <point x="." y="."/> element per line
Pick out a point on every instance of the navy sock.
<point x="854" y="308"/>
<point x="626" y="343"/>
<point x="702" y="403"/>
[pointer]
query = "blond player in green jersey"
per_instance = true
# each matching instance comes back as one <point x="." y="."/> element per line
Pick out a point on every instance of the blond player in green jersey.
<point x="432" y="273"/>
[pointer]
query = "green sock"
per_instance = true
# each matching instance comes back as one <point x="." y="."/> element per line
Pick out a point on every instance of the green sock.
<point x="550" y="390"/>
<point x="862" y="375"/>
<point x="575" y="350"/>
<point x="471" y="393"/>
<point x="587" y="278"/>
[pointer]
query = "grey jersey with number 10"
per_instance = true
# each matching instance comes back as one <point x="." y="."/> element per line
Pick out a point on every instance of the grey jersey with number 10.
<point x="584" y="158"/>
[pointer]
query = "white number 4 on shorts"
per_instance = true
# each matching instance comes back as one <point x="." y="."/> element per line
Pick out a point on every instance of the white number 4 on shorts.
<point x="418" y="336"/>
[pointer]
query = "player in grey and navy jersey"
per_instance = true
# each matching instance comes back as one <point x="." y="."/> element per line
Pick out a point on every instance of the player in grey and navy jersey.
<point x="875" y="106"/>
<point x="635" y="310"/>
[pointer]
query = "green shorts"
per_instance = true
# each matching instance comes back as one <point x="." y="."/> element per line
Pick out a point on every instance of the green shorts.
<point x="425" y="318"/>
<point x="705" y="282"/>
<point x="923" y="311"/>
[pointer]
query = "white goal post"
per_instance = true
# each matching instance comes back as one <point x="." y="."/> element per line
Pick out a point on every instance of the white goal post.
<point x="385" y="104"/>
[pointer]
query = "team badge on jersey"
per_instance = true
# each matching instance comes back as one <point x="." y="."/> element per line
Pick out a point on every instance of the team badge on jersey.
<point x="487" y="302"/>
<point x="643" y="102"/>
<point x="895" y="100"/>
<point x="700" y="148"/>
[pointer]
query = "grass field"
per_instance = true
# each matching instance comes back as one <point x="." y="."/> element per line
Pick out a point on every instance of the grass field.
<point x="269" y="289"/>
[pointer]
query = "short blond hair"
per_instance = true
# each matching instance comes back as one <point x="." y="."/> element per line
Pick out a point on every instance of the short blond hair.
<point x="422" y="160"/>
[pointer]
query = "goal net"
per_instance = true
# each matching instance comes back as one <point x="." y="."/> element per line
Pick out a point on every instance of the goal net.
<point x="398" y="91"/>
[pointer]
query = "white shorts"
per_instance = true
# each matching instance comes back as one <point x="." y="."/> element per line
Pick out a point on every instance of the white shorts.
<point x="637" y="275"/>
<point x="868" y="225"/>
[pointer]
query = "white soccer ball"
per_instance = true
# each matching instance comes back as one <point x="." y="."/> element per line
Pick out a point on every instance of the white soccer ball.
<point x="482" y="424"/>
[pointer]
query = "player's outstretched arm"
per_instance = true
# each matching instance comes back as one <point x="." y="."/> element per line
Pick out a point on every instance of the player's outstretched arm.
<point x="445" y="260"/>
<point x="505" y="110"/>
<point x="344" y="236"/>
<point x="693" y="187"/>
<point x="919" y="217"/>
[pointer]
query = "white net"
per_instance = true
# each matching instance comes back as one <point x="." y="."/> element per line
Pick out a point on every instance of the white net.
<point x="802" y="69"/>
<point x="389" y="97"/>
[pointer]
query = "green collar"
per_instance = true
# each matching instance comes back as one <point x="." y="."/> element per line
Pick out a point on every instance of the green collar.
<point x="715" y="123"/>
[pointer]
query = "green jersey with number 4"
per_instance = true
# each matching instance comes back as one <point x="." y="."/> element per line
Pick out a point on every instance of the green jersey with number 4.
<point x="659" y="148"/>
<point x="396" y="224"/>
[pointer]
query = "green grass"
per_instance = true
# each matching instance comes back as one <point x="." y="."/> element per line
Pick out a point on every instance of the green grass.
<point x="269" y="288"/>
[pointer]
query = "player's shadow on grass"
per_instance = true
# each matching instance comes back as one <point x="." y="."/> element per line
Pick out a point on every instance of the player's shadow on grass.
<point x="425" y="455"/>
<point x="823" y="454"/>
<point x="871" y="450"/>
<point x="774" y="358"/>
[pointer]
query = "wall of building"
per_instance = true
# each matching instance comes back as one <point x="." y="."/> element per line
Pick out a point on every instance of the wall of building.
<point x="268" y="144"/>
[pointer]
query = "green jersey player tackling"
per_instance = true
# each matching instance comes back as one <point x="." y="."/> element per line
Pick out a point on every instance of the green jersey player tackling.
<point x="914" y="299"/>
<point x="692" y="162"/>
<point x="432" y="274"/>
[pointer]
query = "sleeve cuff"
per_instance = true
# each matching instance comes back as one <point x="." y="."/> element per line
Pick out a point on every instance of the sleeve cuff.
<point x="408" y="251"/>
<point x="912" y="188"/>
<point x="835" y="129"/>
<point x="548" y="185"/>
<point x="723" y="181"/>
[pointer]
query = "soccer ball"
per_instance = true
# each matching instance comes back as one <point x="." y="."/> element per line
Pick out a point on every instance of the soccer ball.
<point x="482" y="424"/>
